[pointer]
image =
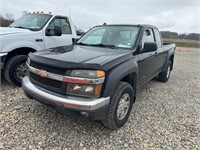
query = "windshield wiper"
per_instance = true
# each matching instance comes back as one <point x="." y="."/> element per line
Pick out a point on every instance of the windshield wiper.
<point x="99" y="45"/>
<point x="19" y="27"/>
<point x="103" y="45"/>
<point x="23" y="28"/>
<point x="85" y="44"/>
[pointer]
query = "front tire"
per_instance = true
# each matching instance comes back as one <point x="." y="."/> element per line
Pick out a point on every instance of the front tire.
<point x="120" y="106"/>
<point x="15" y="69"/>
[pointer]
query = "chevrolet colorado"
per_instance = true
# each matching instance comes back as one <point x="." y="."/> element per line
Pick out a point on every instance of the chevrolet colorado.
<point x="98" y="77"/>
<point x="31" y="33"/>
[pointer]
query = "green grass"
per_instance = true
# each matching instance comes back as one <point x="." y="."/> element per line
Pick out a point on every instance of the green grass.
<point x="183" y="43"/>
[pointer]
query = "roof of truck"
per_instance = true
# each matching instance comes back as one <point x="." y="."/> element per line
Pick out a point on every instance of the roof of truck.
<point x="141" y="25"/>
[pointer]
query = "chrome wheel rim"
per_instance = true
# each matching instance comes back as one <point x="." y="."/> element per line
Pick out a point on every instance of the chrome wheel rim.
<point x="123" y="106"/>
<point x="21" y="71"/>
<point x="168" y="71"/>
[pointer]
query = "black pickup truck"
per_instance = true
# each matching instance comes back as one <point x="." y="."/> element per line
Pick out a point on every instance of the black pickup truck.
<point x="98" y="76"/>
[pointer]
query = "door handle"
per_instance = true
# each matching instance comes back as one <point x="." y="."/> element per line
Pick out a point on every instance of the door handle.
<point x="156" y="53"/>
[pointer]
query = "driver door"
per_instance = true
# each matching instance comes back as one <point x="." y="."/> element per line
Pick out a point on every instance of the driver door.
<point x="147" y="61"/>
<point x="64" y="39"/>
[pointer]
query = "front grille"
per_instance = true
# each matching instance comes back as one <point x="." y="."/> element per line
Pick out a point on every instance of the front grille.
<point x="48" y="68"/>
<point x="41" y="81"/>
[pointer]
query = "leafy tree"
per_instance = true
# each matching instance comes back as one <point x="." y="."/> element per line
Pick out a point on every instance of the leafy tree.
<point x="6" y="20"/>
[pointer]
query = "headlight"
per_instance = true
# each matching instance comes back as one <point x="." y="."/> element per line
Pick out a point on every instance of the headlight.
<point x="86" y="83"/>
<point x="88" y="73"/>
<point x="84" y="90"/>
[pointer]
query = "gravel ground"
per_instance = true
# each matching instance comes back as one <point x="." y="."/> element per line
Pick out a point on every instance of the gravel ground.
<point x="165" y="116"/>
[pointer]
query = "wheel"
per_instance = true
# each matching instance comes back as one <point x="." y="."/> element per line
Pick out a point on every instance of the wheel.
<point x="164" y="76"/>
<point x="120" y="106"/>
<point x="15" y="69"/>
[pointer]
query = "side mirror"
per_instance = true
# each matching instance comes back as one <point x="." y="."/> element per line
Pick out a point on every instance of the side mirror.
<point x="74" y="40"/>
<point x="56" y="31"/>
<point x="150" y="47"/>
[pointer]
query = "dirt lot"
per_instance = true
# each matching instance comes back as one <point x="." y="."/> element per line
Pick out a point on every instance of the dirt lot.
<point x="165" y="116"/>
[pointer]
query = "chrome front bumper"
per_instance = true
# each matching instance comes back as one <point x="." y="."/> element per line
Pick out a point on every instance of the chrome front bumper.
<point x="76" y="103"/>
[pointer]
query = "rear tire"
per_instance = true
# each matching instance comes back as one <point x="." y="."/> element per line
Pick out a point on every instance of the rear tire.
<point x="120" y="106"/>
<point x="15" y="69"/>
<point x="164" y="76"/>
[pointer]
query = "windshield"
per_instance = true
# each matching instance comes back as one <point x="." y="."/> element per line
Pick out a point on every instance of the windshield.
<point x="112" y="36"/>
<point x="31" y="21"/>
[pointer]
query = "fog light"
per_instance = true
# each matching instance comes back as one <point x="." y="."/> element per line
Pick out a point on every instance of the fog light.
<point x="86" y="114"/>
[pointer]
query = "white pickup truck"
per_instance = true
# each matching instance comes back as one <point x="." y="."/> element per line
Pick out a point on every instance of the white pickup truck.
<point x="31" y="33"/>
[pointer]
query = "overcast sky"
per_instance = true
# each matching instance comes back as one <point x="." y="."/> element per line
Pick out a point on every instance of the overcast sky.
<point x="182" y="16"/>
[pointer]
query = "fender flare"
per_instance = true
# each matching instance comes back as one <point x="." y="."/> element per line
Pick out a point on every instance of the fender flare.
<point x="171" y="53"/>
<point x="129" y="67"/>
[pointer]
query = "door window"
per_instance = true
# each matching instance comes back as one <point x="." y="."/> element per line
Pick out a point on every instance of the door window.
<point x="62" y="23"/>
<point x="148" y="36"/>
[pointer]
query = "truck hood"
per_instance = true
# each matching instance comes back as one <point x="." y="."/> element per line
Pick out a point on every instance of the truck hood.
<point x="8" y="30"/>
<point x="81" y="57"/>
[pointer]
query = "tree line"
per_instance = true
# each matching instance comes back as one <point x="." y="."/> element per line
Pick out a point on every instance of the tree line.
<point x="174" y="35"/>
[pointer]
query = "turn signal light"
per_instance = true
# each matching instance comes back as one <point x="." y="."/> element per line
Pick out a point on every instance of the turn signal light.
<point x="70" y="80"/>
<point x="100" y="74"/>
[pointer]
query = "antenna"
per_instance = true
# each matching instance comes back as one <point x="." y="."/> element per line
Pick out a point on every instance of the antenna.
<point x="70" y="13"/>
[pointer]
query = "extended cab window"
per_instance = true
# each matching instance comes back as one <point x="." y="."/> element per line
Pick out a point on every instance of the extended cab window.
<point x="62" y="23"/>
<point x="148" y="36"/>
<point x="158" y="39"/>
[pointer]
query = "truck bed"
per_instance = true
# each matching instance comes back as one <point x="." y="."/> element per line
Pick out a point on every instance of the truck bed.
<point x="168" y="46"/>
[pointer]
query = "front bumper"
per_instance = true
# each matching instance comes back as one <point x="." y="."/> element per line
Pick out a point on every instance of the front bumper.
<point x="2" y="59"/>
<point x="69" y="102"/>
